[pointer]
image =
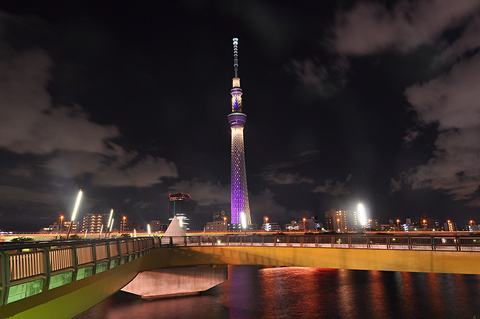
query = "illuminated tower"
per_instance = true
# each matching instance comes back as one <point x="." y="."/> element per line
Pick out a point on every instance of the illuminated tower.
<point x="237" y="120"/>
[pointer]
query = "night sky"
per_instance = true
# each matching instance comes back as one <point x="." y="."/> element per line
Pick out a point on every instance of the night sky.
<point x="347" y="101"/>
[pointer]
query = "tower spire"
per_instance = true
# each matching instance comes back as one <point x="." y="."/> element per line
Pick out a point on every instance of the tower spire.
<point x="235" y="56"/>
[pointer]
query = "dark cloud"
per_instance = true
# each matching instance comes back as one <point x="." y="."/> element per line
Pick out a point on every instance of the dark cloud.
<point x="334" y="188"/>
<point x="369" y="27"/>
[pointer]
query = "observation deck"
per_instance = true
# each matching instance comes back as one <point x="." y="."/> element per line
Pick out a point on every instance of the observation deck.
<point x="237" y="119"/>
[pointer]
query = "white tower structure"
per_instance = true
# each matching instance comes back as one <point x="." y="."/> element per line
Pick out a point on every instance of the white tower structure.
<point x="237" y="119"/>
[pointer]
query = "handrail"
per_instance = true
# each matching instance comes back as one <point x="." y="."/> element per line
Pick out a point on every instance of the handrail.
<point x="360" y="241"/>
<point x="33" y="267"/>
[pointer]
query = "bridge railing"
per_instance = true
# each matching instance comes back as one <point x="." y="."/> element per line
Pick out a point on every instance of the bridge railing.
<point x="31" y="268"/>
<point x="405" y="242"/>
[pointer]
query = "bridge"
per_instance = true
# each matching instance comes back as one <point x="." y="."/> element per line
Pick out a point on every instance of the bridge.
<point x="60" y="279"/>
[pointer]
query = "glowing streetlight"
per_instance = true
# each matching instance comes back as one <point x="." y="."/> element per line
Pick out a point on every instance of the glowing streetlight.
<point x="110" y="218"/>
<point x="304" y="220"/>
<point x="134" y="233"/>
<point x="75" y="209"/>
<point x="77" y="203"/>
<point x="244" y="220"/>
<point x="362" y="215"/>
<point x="398" y="221"/>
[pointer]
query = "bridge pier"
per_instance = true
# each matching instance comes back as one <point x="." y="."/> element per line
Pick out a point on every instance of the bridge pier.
<point x="175" y="282"/>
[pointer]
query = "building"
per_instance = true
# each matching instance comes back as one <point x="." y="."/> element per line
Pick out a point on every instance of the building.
<point x="179" y="206"/>
<point x="75" y="226"/>
<point x="342" y="221"/>
<point x="123" y="224"/>
<point x="92" y="223"/>
<point x="267" y="226"/>
<point x="450" y="226"/>
<point x="305" y="224"/>
<point x="425" y="223"/>
<point x="217" y="225"/>
<point x="472" y="226"/>
<point x="157" y="226"/>
<point x="372" y="224"/>
<point x="240" y="204"/>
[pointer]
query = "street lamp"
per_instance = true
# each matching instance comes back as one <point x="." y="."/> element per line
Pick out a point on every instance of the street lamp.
<point x="75" y="209"/>
<point x="398" y="221"/>
<point x="110" y="221"/>
<point x="61" y="223"/>
<point x="304" y="227"/>
<point x="243" y="218"/>
<point x="362" y="215"/>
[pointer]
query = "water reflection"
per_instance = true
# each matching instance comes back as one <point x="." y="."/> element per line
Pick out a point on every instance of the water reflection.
<point x="291" y="292"/>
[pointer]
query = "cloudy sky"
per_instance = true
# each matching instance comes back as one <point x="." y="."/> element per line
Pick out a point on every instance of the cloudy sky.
<point x="347" y="101"/>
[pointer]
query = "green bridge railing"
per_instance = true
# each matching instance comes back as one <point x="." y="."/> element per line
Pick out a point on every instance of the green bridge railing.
<point x="31" y="268"/>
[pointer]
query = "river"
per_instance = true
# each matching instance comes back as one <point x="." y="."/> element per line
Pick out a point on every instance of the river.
<point x="293" y="292"/>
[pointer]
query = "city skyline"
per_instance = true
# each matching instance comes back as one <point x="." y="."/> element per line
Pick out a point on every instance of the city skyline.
<point x="348" y="102"/>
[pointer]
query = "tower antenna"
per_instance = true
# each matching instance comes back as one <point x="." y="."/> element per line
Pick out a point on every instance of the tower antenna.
<point x="235" y="56"/>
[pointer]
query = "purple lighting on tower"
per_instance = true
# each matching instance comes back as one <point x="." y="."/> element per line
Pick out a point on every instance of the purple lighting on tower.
<point x="237" y="120"/>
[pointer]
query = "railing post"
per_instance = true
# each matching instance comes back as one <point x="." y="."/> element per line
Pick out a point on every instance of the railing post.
<point x="185" y="241"/>
<point x="75" y="262"/>
<point x="388" y="242"/>
<point x="302" y="242"/>
<point x="433" y="243"/>
<point x="349" y="241"/>
<point x="275" y="241"/>
<point x="367" y="238"/>
<point x="316" y="241"/>
<point x="263" y="241"/>
<point x="94" y="255"/>
<point x="457" y="243"/>
<point x="288" y="241"/>
<point x="48" y="270"/>
<point x="332" y="240"/>
<point x="227" y="241"/>
<point x="409" y="242"/>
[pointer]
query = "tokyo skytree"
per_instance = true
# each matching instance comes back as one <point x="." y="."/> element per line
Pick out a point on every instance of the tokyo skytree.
<point x="237" y="120"/>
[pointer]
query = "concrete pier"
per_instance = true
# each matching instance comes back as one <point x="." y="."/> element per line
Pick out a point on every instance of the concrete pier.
<point x="174" y="282"/>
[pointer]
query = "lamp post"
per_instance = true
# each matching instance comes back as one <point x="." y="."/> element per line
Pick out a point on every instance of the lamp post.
<point x="398" y="221"/>
<point x="362" y="215"/>
<point x="75" y="209"/>
<point x="61" y="223"/>
<point x="304" y="227"/>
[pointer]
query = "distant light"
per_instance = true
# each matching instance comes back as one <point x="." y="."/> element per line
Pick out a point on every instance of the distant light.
<point x="243" y="219"/>
<point x="362" y="215"/>
<point x="110" y="219"/>
<point x="111" y="225"/>
<point x="180" y="222"/>
<point x="101" y="228"/>
<point x="77" y="203"/>
<point x="86" y="231"/>
<point x="148" y="227"/>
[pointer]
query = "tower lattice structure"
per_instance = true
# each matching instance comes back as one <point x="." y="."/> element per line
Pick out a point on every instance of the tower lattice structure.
<point x="239" y="192"/>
